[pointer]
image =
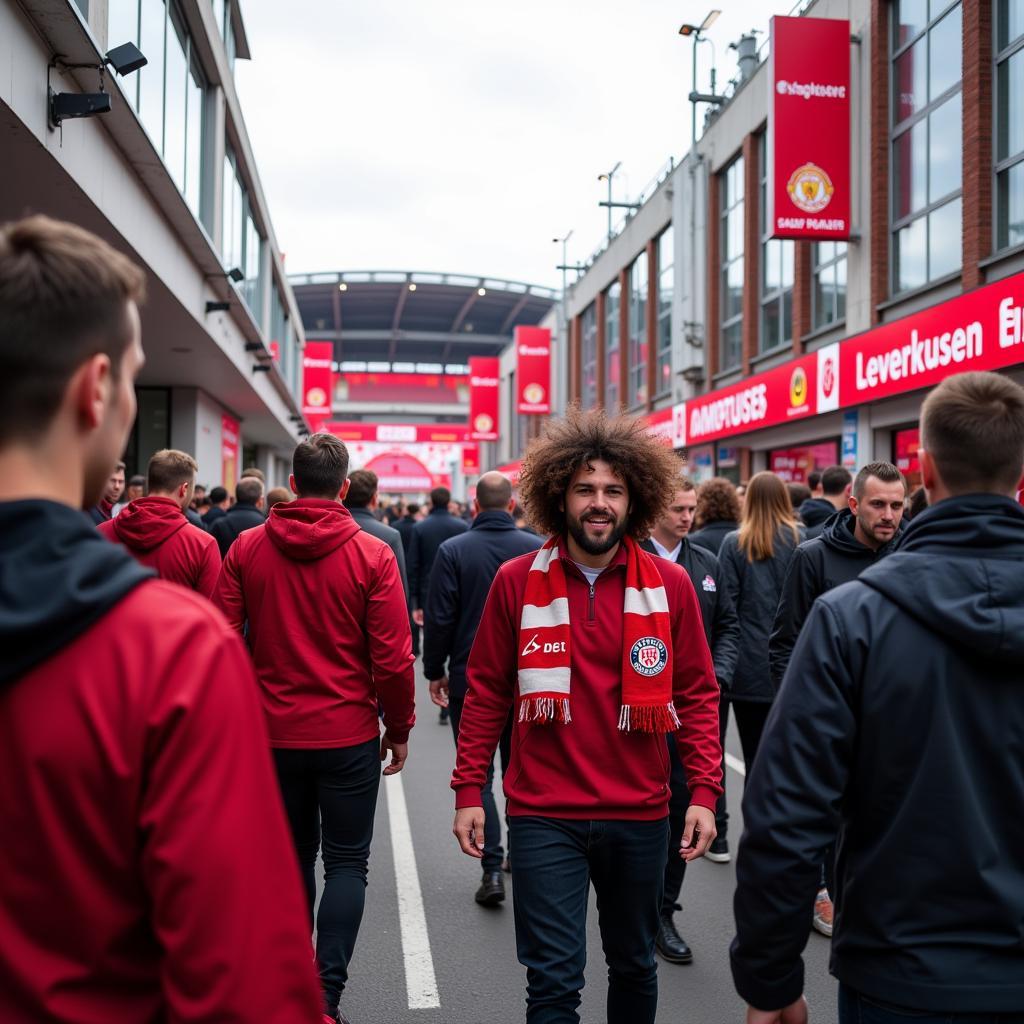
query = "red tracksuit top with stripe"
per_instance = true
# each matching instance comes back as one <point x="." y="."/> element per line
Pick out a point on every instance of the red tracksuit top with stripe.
<point x="588" y="768"/>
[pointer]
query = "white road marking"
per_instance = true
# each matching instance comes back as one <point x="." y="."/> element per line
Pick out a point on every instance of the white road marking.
<point x="736" y="764"/>
<point x="420" y="980"/>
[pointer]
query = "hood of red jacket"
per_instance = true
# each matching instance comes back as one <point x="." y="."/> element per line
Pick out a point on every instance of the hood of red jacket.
<point x="146" y="523"/>
<point x="309" y="528"/>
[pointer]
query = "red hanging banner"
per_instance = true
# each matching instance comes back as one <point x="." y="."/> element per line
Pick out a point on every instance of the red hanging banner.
<point x="470" y="459"/>
<point x="533" y="370"/>
<point x="317" y="382"/>
<point x="484" y="374"/>
<point x="229" y="443"/>
<point x="809" y="128"/>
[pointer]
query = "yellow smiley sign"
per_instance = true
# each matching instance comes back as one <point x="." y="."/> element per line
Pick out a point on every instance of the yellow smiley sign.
<point x="798" y="388"/>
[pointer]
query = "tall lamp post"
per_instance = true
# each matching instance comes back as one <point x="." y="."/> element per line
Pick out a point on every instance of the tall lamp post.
<point x="696" y="32"/>
<point x="607" y="176"/>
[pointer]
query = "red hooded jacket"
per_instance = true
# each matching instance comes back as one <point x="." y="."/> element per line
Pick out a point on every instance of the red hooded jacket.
<point x="588" y="768"/>
<point x="328" y="626"/>
<point x="156" y="532"/>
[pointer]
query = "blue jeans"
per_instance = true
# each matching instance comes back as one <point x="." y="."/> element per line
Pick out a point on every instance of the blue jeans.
<point x="857" y="1009"/>
<point x="556" y="860"/>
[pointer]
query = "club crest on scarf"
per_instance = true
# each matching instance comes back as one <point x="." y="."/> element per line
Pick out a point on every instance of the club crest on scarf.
<point x="646" y="659"/>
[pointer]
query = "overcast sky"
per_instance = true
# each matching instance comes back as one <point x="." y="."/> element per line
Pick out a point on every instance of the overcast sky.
<point x="448" y="135"/>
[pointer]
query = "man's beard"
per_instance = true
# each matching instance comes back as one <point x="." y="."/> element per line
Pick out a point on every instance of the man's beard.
<point x="594" y="547"/>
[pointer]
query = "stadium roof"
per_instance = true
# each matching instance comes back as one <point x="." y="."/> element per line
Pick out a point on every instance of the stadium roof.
<point x="409" y="316"/>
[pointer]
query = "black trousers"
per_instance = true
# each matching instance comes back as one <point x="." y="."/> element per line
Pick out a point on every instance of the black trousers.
<point x="332" y="794"/>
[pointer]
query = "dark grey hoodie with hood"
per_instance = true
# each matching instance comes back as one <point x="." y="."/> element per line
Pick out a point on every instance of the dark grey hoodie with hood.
<point x="899" y="734"/>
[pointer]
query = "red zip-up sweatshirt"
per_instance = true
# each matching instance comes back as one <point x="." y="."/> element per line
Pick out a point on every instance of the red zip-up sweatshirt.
<point x="588" y="768"/>
<point x="156" y="532"/>
<point x="328" y="626"/>
<point x="147" y="872"/>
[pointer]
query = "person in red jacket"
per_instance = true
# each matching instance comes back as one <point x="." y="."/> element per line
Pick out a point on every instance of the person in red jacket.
<point x="154" y="528"/>
<point x="328" y="629"/>
<point x="601" y="649"/>
<point x="142" y="841"/>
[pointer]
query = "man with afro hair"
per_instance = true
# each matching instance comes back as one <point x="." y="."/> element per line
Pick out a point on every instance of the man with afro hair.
<point x="600" y="649"/>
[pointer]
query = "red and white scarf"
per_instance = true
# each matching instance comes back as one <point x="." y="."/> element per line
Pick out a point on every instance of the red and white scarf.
<point x="544" y="638"/>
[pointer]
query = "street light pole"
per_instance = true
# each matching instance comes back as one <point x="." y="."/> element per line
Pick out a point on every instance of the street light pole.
<point x="607" y="176"/>
<point x="697" y="32"/>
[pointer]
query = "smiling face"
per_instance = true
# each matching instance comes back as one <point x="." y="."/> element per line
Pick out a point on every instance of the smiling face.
<point x="596" y="507"/>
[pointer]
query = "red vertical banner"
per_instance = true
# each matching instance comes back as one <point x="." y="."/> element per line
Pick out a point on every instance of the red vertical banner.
<point x="230" y="429"/>
<point x="809" y="128"/>
<point x="470" y="459"/>
<point x="317" y="382"/>
<point x="484" y="375"/>
<point x="533" y="370"/>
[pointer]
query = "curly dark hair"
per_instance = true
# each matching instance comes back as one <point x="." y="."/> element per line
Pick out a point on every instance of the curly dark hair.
<point x="717" y="502"/>
<point x="649" y="469"/>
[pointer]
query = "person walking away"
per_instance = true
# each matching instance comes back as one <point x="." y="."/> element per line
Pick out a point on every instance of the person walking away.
<point x="361" y="501"/>
<point x="900" y="717"/>
<point x="219" y="502"/>
<point x="669" y="540"/>
<point x="278" y="496"/>
<point x="404" y="526"/>
<point x="601" y="650"/>
<point x="798" y="495"/>
<point x="752" y="566"/>
<point x="329" y="638"/>
<point x="245" y="514"/>
<point x="717" y="515"/>
<point x="103" y="509"/>
<point x="852" y="539"/>
<point x="836" y="483"/>
<point x="459" y="582"/>
<point x="131" y="741"/>
<point x="154" y="528"/>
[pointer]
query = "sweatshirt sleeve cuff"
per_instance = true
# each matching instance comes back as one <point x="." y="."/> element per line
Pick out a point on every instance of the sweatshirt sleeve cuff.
<point x="761" y="993"/>
<point x="704" y="796"/>
<point x="397" y="735"/>
<point x="467" y="796"/>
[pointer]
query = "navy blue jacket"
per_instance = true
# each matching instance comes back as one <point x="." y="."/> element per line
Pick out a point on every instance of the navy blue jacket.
<point x="427" y="536"/>
<point x="712" y="535"/>
<point x="405" y="527"/>
<point x="241" y="516"/>
<point x="898" y="735"/>
<point x="461" y="579"/>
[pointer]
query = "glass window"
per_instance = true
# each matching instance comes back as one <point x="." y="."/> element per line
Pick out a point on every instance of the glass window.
<point x="777" y="267"/>
<point x="242" y="243"/>
<point x="666" y="287"/>
<point x="196" y="114"/>
<point x="588" y="357"/>
<point x="152" y="30"/>
<point x="637" y="351"/>
<point x="927" y="131"/>
<point x="176" y="101"/>
<point x="218" y="15"/>
<point x="731" y="202"/>
<point x="123" y="27"/>
<point x="828" y="283"/>
<point x="1009" y="77"/>
<point x="611" y="347"/>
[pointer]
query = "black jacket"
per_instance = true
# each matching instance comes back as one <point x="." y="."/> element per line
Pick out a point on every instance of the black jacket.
<point x="427" y="536"/>
<point x="754" y="588"/>
<point x="815" y="511"/>
<point x="817" y="565"/>
<point x="459" y="583"/>
<point x="370" y="524"/>
<point x="404" y="527"/>
<point x="899" y="731"/>
<point x="209" y="518"/>
<point x="712" y="535"/>
<point x="241" y="516"/>
<point x="721" y="626"/>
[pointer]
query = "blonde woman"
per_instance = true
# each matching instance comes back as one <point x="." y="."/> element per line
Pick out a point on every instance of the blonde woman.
<point x="752" y="567"/>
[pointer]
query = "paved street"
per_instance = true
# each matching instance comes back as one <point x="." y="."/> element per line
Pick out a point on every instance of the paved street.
<point x="472" y="951"/>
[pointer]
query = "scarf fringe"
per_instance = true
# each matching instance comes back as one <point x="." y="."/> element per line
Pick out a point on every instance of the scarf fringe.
<point x="648" y="718"/>
<point x="545" y="709"/>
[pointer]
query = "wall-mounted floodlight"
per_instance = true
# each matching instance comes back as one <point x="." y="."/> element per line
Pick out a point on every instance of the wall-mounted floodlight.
<point x="217" y="307"/>
<point x="261" y="368"/>
<point x="63" y="106"/>
<point x="125" y="59"/>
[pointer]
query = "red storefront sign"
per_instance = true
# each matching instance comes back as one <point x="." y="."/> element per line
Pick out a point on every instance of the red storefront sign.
<point x="794" y="464"/>
<point x="470" y="459"/>
<point x="511" y="470"/>
<point x="660" y="425"/>
<point x="907" y="444"/>
<point x="400" y="471"/>
<point x="809" y="128"/>
<point x="400" y="433"/>
<point x="533" y="370"/>
<point x="230" y="429"/>
<point x="317" y="382"/>
<point x="484" y="378"/>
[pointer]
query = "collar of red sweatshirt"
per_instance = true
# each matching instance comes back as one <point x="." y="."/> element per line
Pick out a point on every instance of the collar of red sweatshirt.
<point x="146" y="523"/>
<point x="309" y="528"/>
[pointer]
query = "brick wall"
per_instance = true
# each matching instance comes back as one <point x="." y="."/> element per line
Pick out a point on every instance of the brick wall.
<point x="751" y="249"/>
<point x="977" y="154"/>
<point x="879" y="154"/>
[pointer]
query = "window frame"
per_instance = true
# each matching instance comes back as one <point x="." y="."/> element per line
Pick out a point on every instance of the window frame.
<point x="1004" y="165"/>
<point x="817" y="266"/>
<point x="662" y="344"/>
<point x="588" y="356"/>
<point x="724" y="209"/>
<point x="612" y="319"/>
<point x="778" y="295"/>
<point x="637" y="344"/>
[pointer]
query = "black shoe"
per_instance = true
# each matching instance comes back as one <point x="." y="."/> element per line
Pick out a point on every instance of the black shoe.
<point x="718" y="852"/>
<point x="492" y="890"/>
<point x="442" y="719"/>
<point x="670" y="943"/>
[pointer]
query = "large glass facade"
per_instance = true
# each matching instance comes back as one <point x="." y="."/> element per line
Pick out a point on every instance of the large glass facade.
<point x="588" y="357"/>
<point x="241" y="243"/>
<point x="1009" y="80"/>
<point x="637" y="370"/>
<point x="828" y="283"/>
<point x="612" y="299"/>
<point x="731" y="214"/>
<point x="927" y="132"/>
<point x="666" y="280"/>
<point x="777" y="267"/>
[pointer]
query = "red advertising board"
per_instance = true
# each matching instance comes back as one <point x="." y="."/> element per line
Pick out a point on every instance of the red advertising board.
<point x="794" y="464"/>
<point x="809" y="128"/>
<point x="484" y="378"/>
<point x="659" y="425"/>
<point x="907" y="444"/>
<point x="400" y="433"/>
<point x="511" y="470"/>
<point x="317" y="382"/>
<point x="533" y="370"/>
<point x="470" y="459"/>
<point x="230" y="429"/>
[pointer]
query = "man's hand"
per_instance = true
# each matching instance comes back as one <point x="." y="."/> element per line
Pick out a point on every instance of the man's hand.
<point x="439" y="691"/>
<point x="469" y="830"/>
<point x="417" y="616"/>
<point x="795" y="1013"/>
<point x="399" y="752"/>
<point x="700" y="820"/>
